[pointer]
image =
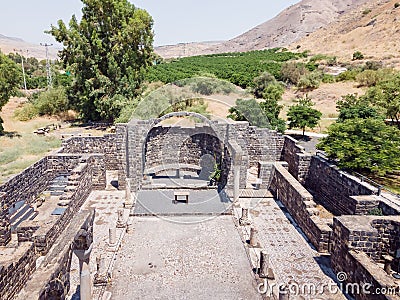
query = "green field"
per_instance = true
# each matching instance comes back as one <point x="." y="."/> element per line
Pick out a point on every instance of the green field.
<point x="238" y="68"/>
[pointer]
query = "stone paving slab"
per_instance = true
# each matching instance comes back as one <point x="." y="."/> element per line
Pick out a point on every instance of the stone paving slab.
<point x="291" y="257"/>
<point x="167" y="260"/>
<point x="200" y="202"/>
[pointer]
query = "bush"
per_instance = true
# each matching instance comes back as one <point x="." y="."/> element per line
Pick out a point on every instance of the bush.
<point x="358" y="55"/>
<point x="27" y="112"/>
<point x="371" y="78"/>
<point x="310" y="81"/>
<point x="348" y="75"/>
<point x="292" y="72"/>
<point x="52" y="102"/>
<point x="366" y="12"/>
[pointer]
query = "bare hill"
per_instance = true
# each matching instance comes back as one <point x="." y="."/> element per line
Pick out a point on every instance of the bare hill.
<point x="289" y="26"/>
<point x="373" y="29"/>
<point x="8" y="44"/>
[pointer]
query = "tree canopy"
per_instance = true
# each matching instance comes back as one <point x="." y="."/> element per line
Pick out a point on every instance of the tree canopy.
<point x="248" y="110"/>
<point x="107" y="52"/>
<point x="9" y="81"/>
<point x="303" y="115"/>
<point x="363" y="145"/>
<point x="352" y="107"/>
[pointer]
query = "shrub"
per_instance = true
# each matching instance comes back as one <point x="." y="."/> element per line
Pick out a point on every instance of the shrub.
<point x="348" y="75"/>
<point x="27" y="112"/>
<point x="292" y="72"/>
<point x="52" y="102"/>
<point x="310" y="81"/>
<point x="358" y="55"/>
<point x="366" y="12"/>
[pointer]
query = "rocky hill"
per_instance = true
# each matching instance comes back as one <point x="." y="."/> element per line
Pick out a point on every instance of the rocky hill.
<point x="290" y="25"/>
<point x="8" y="44"/>
<point x="372" y="28"/>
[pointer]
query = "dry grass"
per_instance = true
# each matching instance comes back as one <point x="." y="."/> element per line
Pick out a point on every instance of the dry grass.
<point x="20" y="147"/>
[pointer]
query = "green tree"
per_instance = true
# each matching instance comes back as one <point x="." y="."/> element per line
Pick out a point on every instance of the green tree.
<point x="108" y="52"/>
<point x="9" y="81"/>
<point x="266" y="83"/>
<point x="310" y="81"/>
<point x="303" y="115"/>
<point x="386" y="94"/>
<point x="248" y="110"/>
<point x="353" y="107"/>
<point x="363" y="145"/>
<point x="292" y="72"/>
<point x="271" y="110"/>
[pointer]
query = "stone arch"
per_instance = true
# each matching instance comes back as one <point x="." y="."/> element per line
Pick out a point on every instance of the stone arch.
<point x="137" y="135"/>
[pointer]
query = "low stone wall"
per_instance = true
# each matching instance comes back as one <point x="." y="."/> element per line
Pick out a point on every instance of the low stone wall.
<point x="300" y="204"/>
<point x="27" y="184"/>
<point x="5" y="227"/>
<point x="78" y="189"/>
<point x="334" y="188"/>
<point x="14" y="274"/>
<point x="298" y="160"/>
<point x="106" y="145"/>
<point x="358" y="244"/>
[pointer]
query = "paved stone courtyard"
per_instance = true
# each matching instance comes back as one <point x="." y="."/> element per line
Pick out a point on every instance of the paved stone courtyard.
<point x="292" y="259"/>
<point x="166" y="260"/>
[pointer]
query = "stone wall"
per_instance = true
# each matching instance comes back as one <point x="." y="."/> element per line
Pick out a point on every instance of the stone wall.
<point x="79" y="187"/>
<point x="300" y="204"/>
<point x="173" y="145"/>
<point x="358" y="244"/>
<point x="106" y="145"/>
<point x="27" y="184"/>
<point x="298" y="160"/>
<point x="334" y="188"/>
<point x="5" y="227"/>
<point x="247" y="145"/>
<point x="14" y="274"/>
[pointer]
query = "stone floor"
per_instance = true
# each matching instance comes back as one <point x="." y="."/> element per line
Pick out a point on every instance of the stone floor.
<point x="193" y="257"/>
<point x="170" y="260"/>
<point x="293" y="260"/>
<point x="201" y="202"/>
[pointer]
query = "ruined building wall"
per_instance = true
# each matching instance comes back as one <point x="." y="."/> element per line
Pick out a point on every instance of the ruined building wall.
<point x="106" y="145"/>
<point x="333" y="188"/>
<point x="14" y="274"/>
<point x="300" y="204"/>
<point x="298" y="160"/>
<point x="173" y="145"/>
<point x="358" y="243"/>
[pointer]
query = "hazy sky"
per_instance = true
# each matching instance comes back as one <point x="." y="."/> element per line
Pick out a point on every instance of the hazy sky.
<point x="175" y="21"/>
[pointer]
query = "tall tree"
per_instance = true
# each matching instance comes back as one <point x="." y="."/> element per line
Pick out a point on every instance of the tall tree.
<point x="363" y="145"/>
<point x="353" y="107"/>
<point x="303" y="115"/>
<point x="248" y="110"/>
<point x="267" y="88"/>
<point x="108" y="52"/>
<point x="9" y="81"/>
<point x="386" y="94"/>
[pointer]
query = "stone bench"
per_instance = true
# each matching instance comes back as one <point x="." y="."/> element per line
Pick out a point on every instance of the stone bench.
<point x="176" y="167"/>
<point x="181" y="196"/>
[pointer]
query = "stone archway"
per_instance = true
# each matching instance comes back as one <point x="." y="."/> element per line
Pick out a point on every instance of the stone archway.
<point x="137" y="138"/>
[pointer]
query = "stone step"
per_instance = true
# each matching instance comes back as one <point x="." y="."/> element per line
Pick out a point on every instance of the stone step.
<point x="27" y="215"/>
<point x="21" y="211"/>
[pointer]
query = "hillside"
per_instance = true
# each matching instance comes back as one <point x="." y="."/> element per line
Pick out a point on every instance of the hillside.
<point x="373" y="29"/>
<point x="289" y="26"/>
<point x="8" y="44"/>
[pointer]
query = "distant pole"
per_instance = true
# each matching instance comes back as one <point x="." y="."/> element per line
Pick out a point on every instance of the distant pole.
<point x="23" y="67"/>
<point x="49" y="79"/>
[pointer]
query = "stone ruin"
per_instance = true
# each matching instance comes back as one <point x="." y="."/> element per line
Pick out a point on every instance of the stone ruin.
<point x="42" y="223"/>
